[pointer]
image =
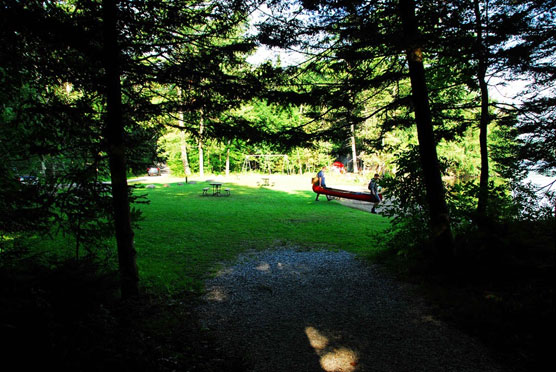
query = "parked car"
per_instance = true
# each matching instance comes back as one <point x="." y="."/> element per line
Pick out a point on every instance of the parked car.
<point x="28" y="180"/>
<point x="153" y="171"/>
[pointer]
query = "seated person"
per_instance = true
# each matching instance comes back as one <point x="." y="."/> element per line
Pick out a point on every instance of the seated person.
<point x="320" y="175"/>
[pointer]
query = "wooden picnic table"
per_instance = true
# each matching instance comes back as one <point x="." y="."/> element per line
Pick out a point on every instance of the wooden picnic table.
<point x="216" y="188"/>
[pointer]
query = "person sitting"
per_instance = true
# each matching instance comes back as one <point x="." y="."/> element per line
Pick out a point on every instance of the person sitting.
<point x="320" y="175"/>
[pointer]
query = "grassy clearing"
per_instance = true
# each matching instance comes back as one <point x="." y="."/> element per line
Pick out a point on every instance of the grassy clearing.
<point x="67" y="314"/>
<point x="505" y="299"/>
<point x="185" y="236"/>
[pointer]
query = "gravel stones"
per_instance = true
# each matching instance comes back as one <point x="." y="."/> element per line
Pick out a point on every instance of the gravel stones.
<point x="286" y="310"/>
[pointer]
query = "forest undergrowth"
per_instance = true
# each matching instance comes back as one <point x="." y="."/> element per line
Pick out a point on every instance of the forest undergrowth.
<point x="499" y="288"/>
<point x="70" y="316"/>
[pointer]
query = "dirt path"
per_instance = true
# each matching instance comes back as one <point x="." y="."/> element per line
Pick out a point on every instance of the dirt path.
<point x="290" y="310"/>
<point x="357" y="204"/>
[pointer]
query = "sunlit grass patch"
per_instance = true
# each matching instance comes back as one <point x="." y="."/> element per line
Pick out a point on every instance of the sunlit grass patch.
<point x="185" y="236"/>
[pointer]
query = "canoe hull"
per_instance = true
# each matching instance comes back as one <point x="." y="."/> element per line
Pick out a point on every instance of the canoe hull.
<point x="363" y="196"/>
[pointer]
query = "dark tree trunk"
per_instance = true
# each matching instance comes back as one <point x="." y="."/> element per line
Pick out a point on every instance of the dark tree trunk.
<point x="201" y="145"/>
<point x="228" y="158"/>
<point x="484" y="120"/>
<point x="114" y="136"/>
<point x="183" y="143"/>
<point x="441" y="232"/>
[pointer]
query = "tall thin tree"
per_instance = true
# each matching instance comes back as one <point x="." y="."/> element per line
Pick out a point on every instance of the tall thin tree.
<point x="200" y="142"/>
<point x="183" y="142"/>
<point x="114" y="136"/>
<point x="439" y="216"/>
<point x="481" y="52"/>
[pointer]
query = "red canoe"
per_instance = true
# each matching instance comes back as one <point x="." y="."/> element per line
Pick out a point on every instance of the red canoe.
<point x="363" y="196"/>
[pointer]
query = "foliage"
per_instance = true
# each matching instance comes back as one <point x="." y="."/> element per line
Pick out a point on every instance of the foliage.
<point x="150" y="332"/>
<point x="65" y="313"/>
<point x="512" y="201"/>
<point x="530" y="58"/>
<point x="409" y="231"/>
<point x="534" y="203"/>
<point x="463" y="202"/>
<point x="56" y="98"/>
<point x="52" y="121"/>
<point x="86" y="214"/>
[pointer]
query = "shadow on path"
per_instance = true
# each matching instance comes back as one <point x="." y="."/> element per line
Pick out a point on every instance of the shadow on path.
<point x="327" y="311"/>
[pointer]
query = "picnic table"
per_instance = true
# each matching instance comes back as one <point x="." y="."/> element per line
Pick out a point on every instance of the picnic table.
<point x="216" y="186"/>
<point x="265" y="181"/>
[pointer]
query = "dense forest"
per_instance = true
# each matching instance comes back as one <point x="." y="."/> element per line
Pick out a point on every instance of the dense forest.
<point x="451" y="102"/>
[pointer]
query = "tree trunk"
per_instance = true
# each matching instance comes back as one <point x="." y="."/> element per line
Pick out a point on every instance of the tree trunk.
<point x="201" y="158"/>
<point x="183" y="144"/>
<point x="184" y="159"/>
<point x="43" y="167"/>
<point x="228" y="159"/>
<point x="114" y="136"/>
<point x="299" y="162"/>
<point x="354" y="149"/>
<point x="482" y="60"/>
<point x="441" y="232"/>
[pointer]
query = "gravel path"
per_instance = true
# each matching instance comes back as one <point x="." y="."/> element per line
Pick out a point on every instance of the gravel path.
<point x="327" y="311"/>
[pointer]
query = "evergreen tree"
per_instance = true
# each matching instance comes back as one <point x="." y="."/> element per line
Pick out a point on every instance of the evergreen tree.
<point x="530" y="57"/>
<point x="114" y="55"/>
<point x="362" y="37"/>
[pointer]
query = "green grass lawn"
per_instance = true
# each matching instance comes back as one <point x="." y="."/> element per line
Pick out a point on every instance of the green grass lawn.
<point x="186" y="236"/>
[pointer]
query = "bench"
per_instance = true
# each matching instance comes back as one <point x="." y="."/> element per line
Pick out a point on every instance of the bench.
<point x="205" y="191"/>
<point x="266" y="182"/>
<point x="227" y="190"/>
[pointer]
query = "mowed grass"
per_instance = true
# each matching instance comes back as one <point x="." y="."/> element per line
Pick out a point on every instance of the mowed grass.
<point x="185" y="236"/>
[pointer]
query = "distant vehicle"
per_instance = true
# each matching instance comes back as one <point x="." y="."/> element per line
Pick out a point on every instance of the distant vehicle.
<point x="339" y="167"/>
<point x="28" y="180"/>
<point x="153" y="171"/>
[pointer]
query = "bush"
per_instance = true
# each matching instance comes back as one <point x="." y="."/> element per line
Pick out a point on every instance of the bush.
<point x="499" y="285"/>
